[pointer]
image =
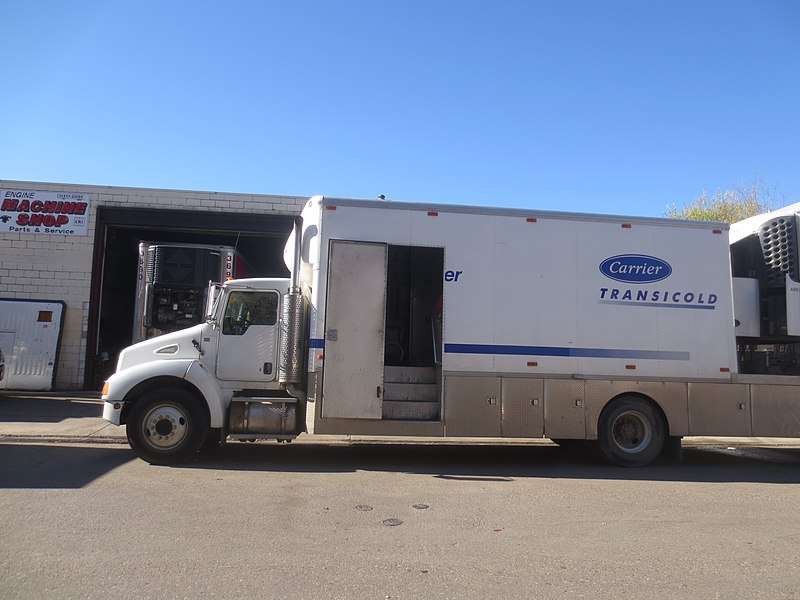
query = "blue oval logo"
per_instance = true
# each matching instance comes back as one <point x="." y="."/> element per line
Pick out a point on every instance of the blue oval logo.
<point x="635" y="268"/>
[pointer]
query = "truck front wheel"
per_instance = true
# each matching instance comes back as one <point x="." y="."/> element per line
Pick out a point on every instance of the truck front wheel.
<point x="166" y="426"/>
<point x="630" y="432"/>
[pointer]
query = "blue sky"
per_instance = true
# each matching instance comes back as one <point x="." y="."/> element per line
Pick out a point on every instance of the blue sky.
<point x="614" y="106"/>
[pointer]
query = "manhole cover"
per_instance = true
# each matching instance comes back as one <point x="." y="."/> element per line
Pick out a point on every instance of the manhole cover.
<point x="392" y="522"/>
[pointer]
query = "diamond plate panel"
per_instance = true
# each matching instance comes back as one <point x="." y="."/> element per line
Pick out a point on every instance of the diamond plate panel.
<point x="472" y="406"/>
<point x="719" y="409"/>
<point x="776" y="410"/>
<point x="564" y="409"/>
<point x="522" y="407"/>
<point x="410" y="411"/>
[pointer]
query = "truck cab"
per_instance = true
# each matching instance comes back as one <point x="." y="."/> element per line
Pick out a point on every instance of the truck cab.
<point x="231" y="358"/>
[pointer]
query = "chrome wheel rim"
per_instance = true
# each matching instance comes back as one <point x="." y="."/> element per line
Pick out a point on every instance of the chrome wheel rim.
<point x="165" y="426"/>
<point x="631" y="432"/>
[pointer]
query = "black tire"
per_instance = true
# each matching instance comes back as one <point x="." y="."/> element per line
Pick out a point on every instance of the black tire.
<point x="213" y="441"/>
<point x="167" y="426"/>
<point x="631" y="432"/>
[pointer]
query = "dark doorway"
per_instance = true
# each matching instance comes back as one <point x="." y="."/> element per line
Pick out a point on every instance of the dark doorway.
<point x="413" y="305"/>
<point x="259" y="240"/>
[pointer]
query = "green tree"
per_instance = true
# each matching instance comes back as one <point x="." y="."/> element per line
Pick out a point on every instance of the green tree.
<point x="727" y="206"/>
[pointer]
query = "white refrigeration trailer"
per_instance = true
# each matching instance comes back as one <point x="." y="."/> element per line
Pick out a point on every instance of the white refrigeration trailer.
<point x="407" y="319"/>
<point x="172" y="285"/>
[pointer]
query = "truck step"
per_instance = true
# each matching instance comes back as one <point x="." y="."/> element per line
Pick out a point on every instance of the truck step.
<point x="409" y="374"/>
<point x="272" y="399"/>
<point x="410" y="411"/>
<point x="410" y="392"/>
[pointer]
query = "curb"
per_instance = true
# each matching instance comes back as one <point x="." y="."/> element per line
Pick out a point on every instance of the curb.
<point x="60" y="439"/>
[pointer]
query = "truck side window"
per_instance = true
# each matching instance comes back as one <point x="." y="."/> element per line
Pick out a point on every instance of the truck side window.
<point x="249" y="308"/>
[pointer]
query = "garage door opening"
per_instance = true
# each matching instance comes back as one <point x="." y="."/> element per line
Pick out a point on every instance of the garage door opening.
<point x="257" y="239"/>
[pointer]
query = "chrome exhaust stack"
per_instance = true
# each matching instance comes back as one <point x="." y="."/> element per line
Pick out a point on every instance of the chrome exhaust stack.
<point x="293" y="318"/>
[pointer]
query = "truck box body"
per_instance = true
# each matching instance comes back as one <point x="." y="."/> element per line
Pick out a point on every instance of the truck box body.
<point x="518" y="290"/>
<point x="524" y="294"/>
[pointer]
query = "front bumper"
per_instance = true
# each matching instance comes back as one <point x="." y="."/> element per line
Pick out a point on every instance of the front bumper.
<point x="112" y="411"/>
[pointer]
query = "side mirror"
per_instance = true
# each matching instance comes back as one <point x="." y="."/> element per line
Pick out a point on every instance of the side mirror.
<point x="212" y="294"/>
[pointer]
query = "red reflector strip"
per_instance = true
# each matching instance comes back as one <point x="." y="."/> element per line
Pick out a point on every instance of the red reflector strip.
<point x="533" y="364"/>
<point x="630" y="367"/>
<point x="329" y="207"/>
<point x="433" y="213"/>
<point x="531" y="219"/>
<point x="717" y="231"/>
<point x="626" y="225"/>
<point x="724" y="370"/>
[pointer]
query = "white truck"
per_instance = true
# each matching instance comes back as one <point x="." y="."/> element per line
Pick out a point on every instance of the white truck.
<point x="408" y="319"/>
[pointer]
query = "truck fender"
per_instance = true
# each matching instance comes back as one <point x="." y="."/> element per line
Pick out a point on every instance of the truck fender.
<point x="207" y="384"/>
<point x="121" y="383"/>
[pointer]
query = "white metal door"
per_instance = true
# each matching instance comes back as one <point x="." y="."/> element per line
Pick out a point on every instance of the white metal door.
<point x="352" y="385"/>
<point x="249" y="336"/>
<point x="30" y="361"/>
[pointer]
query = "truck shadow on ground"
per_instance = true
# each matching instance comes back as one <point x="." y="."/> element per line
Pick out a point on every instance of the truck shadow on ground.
<point x="52" y="466"/>
<point x="73" y="466"/>
<point x="506" y="463"/>
<point x="41" y="408"/>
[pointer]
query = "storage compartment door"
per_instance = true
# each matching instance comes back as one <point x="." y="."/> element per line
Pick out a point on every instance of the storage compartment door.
<point x="472" y="406"/>
<point x="352" y="384"/>
<point x="522" y="407"/>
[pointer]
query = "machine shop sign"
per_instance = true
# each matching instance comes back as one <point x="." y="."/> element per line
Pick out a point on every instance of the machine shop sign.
<point x="635" y="268"/>
<point x="53" y="213"/>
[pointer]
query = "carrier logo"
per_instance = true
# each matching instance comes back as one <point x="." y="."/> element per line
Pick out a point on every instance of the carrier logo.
<point x="635" y="268"/>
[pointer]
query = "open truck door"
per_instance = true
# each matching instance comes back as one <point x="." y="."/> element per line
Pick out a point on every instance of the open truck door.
<point x="352" y="384"/>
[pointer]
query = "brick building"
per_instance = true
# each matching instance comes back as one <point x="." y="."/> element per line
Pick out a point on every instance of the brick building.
<point x="89" y="262"/>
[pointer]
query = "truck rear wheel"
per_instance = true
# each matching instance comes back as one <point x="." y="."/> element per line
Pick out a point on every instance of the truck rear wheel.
<point x="630" y="432"/>
<point x="167" y="426"/>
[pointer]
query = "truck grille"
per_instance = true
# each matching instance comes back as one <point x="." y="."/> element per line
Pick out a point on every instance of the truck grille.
<point x="778" y="243"/>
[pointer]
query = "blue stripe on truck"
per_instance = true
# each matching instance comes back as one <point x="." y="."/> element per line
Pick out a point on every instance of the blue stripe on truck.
<point x="567" y="352"/>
